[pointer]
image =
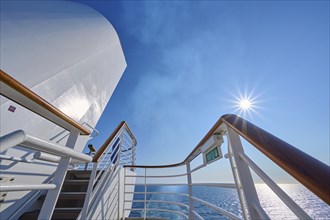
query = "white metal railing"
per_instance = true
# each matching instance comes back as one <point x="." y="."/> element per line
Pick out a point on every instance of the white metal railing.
<point x="233" y="128"/>
<point x="21" y="138"/>
<point x="188" y="213"/>
<point x="118" y="150"/>
<point x="17" y="92"/>
<point x="22" y="95"/>
<point x="24" y="139"/>
<point x="35" y="194"/>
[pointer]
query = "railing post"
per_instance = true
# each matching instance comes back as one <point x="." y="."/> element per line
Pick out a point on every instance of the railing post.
<point x="85" y="208"/>
<point x="52" y="195"/>
<point x="145" y="194"/>
<point x="133" y="154"/>
<point x="124" y="195"/>
<point x="118" y="161"/>
<point x="191" y="203"/>
<point x="243" y="178"/>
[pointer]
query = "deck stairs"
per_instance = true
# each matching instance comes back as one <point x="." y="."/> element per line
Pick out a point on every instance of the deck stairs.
<point x="71" y="198"/>
<point x="139" y="218"/>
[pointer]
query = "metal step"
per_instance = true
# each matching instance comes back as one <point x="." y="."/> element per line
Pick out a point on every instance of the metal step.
<point x="68" y="195"/>
<point x="72" y="195"/>
<point x="76" y="182"/>
<point x="71" y="198"/>
<point x="78" y="174"/>
<point x="139" y="218"/>
<point x="75" y="186"/>
<point x="59" y="213"/>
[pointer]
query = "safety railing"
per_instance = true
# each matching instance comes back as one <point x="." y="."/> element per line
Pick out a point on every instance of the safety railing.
<point x="21" y="138"/>
<point x="117" y="150"/>
<point x="147" y="203"/>
<point x="310" y="172"/>
<point x="17" y="92"/>
<point x="20" y="94"/>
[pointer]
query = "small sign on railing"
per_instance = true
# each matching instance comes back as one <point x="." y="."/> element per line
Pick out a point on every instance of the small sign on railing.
<point x="213" y="154"/>
<point x="211" y="149"/>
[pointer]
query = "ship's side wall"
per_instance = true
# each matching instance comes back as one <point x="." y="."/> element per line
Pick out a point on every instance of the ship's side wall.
<point x="68" y="54"/>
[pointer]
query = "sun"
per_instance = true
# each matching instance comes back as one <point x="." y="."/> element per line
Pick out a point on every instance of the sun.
<point x="245" y="104"/>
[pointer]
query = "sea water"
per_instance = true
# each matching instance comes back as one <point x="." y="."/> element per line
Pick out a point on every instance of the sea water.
<point x="227" y="199"/>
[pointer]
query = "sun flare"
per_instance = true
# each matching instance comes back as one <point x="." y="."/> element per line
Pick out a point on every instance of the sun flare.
<point x="245" y="104"/>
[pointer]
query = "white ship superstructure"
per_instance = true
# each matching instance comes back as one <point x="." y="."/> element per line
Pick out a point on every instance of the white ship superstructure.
<point x="60" y="63"/>
<point x="70" y="56"/>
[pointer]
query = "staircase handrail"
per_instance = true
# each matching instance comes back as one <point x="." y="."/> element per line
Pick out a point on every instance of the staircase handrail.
<point x="24" y="139"/>
<point x="105" y="145"/>
<point x="22" y="95"/>
<point x="310" y="172"/>
<point x="106" y="164"/>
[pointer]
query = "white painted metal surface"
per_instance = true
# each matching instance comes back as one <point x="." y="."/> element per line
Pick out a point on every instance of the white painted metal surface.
<point x="301" y="214"/>
<point x="24" y="187"/>
<point x="76" y="60"/>
<point x="48" y="206"/>
<point x="105" y="192"/>
<point x="243" y="182"/>
<point x="46" y="157"/>
<point x="17" y="159"/>
<point x="23" y="139"/>
<point x="73" y="54"/>
<point x="83" y="214"/>
<point x="247" y="192"/>
<point x="189" y="181"/>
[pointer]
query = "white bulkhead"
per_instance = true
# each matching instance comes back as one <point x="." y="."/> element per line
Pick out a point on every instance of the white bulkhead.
<point x="68" y="54"/>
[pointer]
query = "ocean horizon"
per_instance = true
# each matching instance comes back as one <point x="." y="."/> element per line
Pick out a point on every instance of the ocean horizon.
<point x="227" y="199"/>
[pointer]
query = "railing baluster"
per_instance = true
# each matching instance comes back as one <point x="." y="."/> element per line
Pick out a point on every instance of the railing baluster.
<point x="124" y="193"/>
<point x="145" y="193"/>
<point x="89" y="192"/>
<point x="276" y="189"/>
<point x="48" y="206"/>
<point x="189" y="180"/>
<point x="247" y="192"/>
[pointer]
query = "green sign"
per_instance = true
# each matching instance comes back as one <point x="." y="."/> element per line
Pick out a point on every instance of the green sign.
<point x="212" y="155"/>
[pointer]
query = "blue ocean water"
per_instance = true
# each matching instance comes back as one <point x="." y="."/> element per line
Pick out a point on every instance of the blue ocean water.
<point x="228" y="200"/>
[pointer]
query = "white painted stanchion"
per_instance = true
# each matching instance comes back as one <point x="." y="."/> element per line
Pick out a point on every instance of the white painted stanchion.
<point x="242" y="175"/>
<point x="48" y="207"/>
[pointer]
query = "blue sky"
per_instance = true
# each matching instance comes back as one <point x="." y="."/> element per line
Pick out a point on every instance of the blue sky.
<point x="188" y="61"/>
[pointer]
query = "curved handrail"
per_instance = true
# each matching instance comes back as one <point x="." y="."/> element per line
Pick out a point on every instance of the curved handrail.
<point x="309" y="171"/>
<point x="30" y="100"/>
<point x="105" y="145"/>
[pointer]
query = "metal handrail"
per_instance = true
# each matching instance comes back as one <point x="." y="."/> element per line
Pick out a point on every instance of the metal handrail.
<point x="161" y="210"/>
<point x="22" y="95"/>
<point x="102" y="149"/>
<point x="158" y="201"/>
<point x="216" y="208"/>
<point x="106" y="164"/>
<point x="26" y="140"/>
<point x="309" y="171"/>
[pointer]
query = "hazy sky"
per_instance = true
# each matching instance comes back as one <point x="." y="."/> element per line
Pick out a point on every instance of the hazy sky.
<point x="189" y="61"/>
